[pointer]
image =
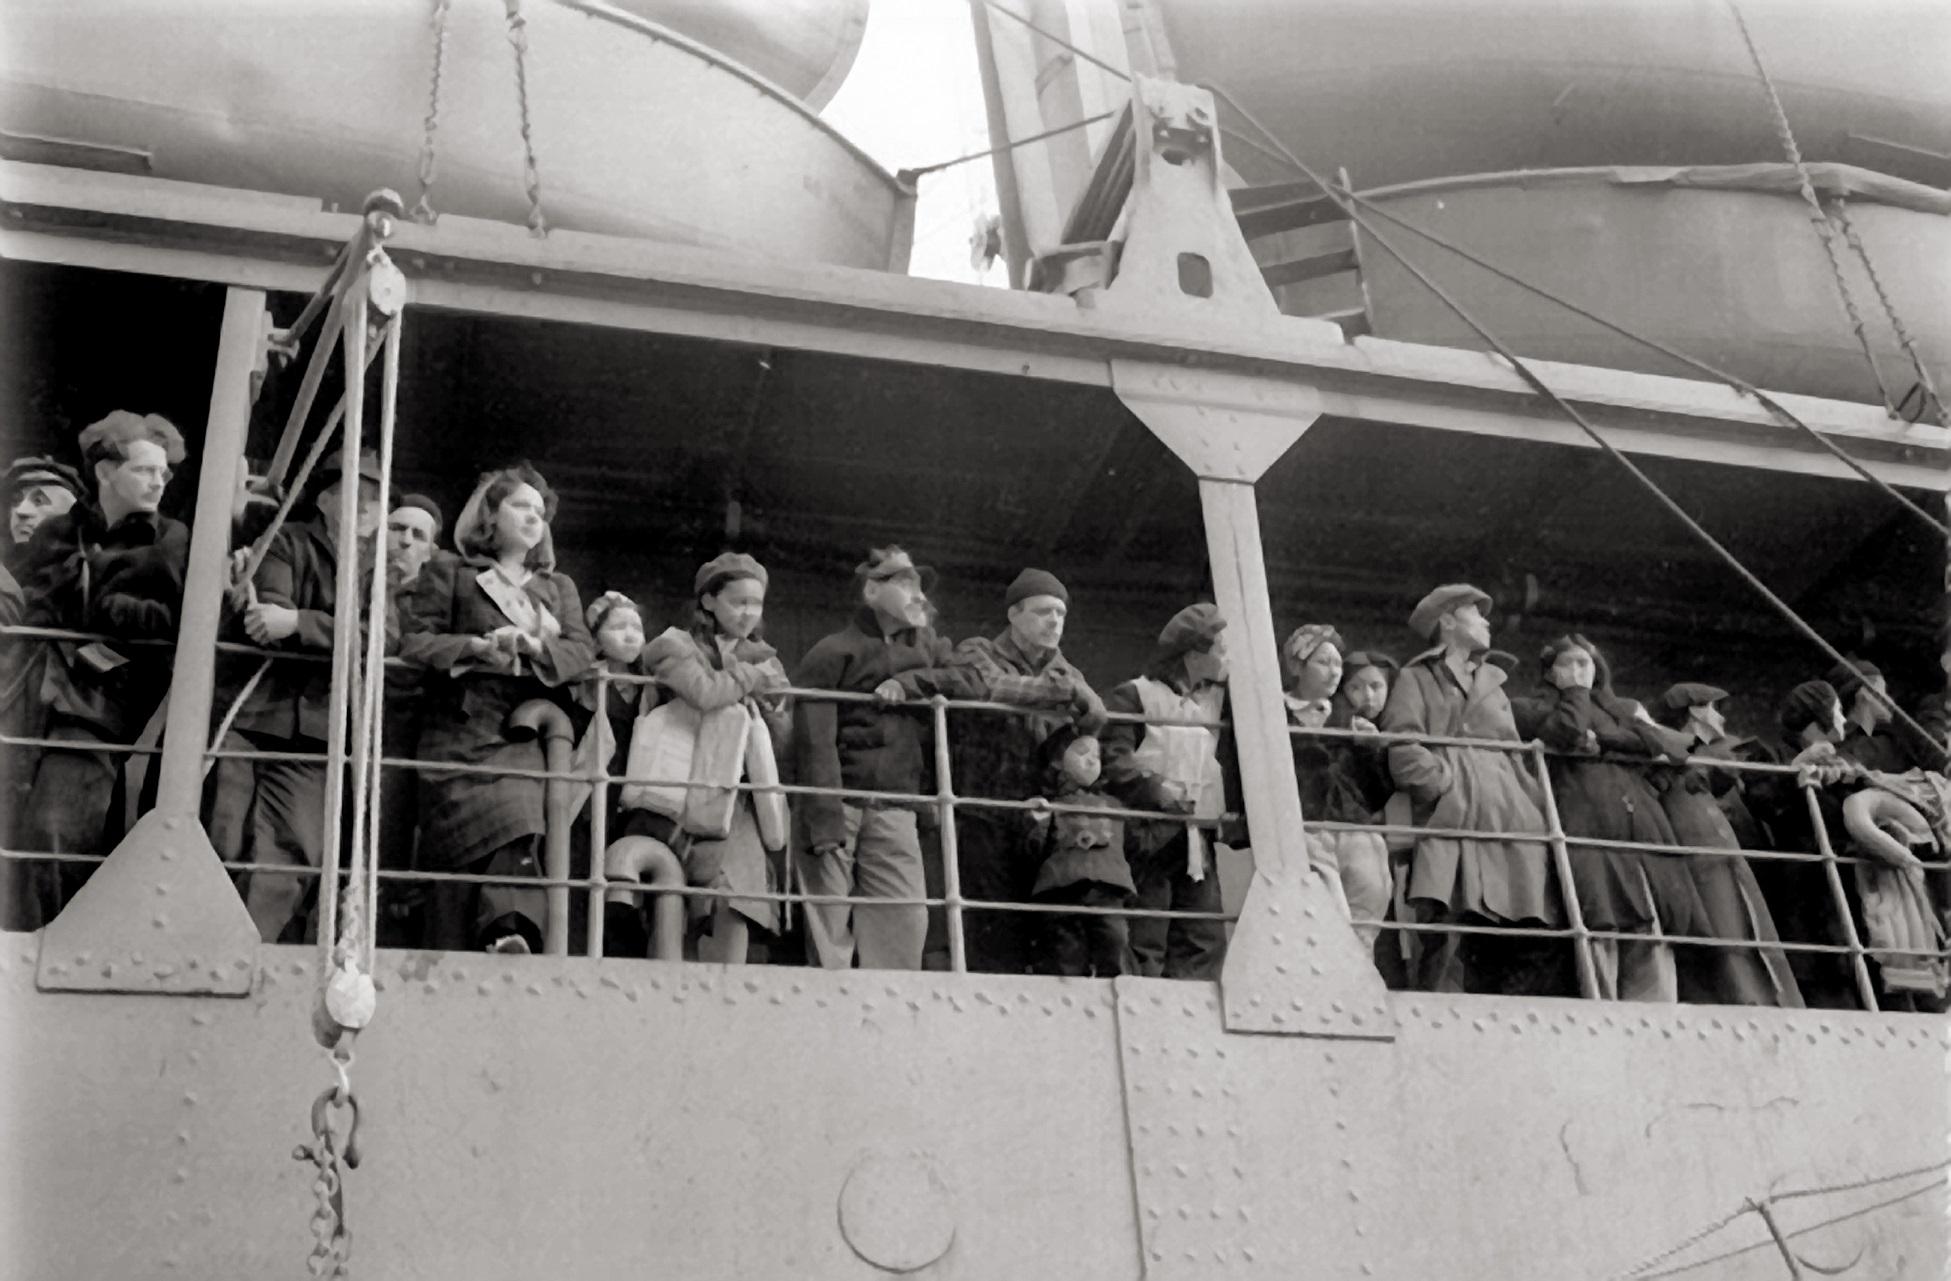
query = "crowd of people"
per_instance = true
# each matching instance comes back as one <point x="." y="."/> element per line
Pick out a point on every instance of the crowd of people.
<point x="1428" y="818"/>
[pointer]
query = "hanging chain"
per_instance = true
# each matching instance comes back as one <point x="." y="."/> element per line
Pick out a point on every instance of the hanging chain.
<point x="422" y="210"/>
<point x="531" y="176"/>
<point x="1932" y="404"/>
<point x="1817" y="214"/>
<point x="331" y="1237"/>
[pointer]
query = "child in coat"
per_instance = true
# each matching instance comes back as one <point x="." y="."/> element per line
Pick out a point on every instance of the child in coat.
<point x="1082" y="860"/>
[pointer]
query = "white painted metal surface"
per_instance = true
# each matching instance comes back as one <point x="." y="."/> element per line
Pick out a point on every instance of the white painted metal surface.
<point x="634" y="136"/>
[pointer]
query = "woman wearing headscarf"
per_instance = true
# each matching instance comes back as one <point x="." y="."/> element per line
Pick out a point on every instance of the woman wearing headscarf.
<point x="722" y="660"/>
<point x="1327" y="771"/>
<point x="1625" y="891"/>
<point x="495" y="626"/>
<point x="1728" y="889"/>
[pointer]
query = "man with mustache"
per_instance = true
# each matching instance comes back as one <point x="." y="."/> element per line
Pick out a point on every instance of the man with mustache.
<point x="857" y="845"/>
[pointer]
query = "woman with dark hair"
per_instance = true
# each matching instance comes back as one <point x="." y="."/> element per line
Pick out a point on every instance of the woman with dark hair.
<point x="721" y="661"/>
<point x="1623" y="891"/>
<point x="1694" y="797"/>
<point x="496" y="626"/>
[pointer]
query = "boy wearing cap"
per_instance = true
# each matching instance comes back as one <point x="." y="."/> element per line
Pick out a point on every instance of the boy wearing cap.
<point x="857" y="846"/>
<point x="1182" y="769"/>
<point x="112" y="565"/>
<point x="995" y="755"/>
<point x="1452" y="691"/>
<point x="273" y="811"/>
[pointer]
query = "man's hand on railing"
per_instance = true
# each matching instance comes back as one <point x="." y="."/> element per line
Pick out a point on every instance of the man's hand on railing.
<point x="889" y="692"/>
<point x="269" y="624"/>
<point x="827" y="849"/>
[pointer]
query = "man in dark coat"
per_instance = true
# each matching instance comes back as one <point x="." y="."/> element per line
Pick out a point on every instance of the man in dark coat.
<point x="114" y="567"/>
<point x="996" y="755"/>
<point x="859" y="846"/>
<point x="1180" y="769"/>
<point x="273" y="811"/>
<point x="412" y="540"/>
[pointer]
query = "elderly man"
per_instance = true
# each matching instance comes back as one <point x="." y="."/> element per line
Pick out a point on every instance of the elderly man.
<point x="112" y="566"/>
<point x="1452" y="691"/>
<point x="857" y="845"/>
<point x="273" y="811"/>
<point x="1189" y="769"/>
<point x="35" y="489"/>
<point x="995" y="755"/>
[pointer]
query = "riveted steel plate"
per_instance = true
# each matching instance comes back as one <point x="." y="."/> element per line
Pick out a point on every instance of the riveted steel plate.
<point x="160" y="915"/>
<point x="1269" y="1156"/>
<point x="1294" y="966"/>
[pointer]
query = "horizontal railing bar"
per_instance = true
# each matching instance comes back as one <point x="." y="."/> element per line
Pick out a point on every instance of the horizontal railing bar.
<point x="1601" y="842"/>
<point x="75" y="745"/>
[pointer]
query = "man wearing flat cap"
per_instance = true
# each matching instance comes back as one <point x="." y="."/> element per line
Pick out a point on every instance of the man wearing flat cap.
<point x="995" y="754"/>
<point x="112" y="565"/>
<point x="1189" y="769"/>
<point x="857" y="845"/>
<point x="412" y="540"/>
<point x="273" y="811"/>
<point x="1453" y="691"/>
<point x="37" y="489"/>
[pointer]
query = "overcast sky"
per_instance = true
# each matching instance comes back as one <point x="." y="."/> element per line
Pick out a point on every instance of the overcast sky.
<point x="914" y="98"/>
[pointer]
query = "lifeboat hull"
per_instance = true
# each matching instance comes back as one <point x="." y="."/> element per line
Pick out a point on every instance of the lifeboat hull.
<point x="1736" y="278"/>
<point x="633" y="136"/>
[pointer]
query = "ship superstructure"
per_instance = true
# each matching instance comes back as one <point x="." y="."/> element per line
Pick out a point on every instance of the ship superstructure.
<point x="1160" y="429"/>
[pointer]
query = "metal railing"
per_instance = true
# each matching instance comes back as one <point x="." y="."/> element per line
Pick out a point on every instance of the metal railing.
<point x="945" y="803"/>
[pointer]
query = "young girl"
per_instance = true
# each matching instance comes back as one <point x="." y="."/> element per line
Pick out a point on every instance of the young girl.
<point x="495" y="626"/>
<point x="1083" y="860"/>
<point x="722" y="660"/>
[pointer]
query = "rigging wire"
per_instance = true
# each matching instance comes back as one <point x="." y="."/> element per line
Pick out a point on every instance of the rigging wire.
<point x="1799" y="1232"/>
<point x="1537" y="384"/>
<point x="1059" y="41"/>
<point x="1825" y="231"/>
<point x="908" y="176"/>
<point x="1740" y="385"/>
<point x="1925" y="387"/>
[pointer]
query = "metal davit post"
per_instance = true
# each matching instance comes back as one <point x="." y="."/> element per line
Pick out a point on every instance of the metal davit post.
<point x="1561" y="857"/>
<point x="161" y="915"/>
<point x="1865" y="989"/>
<point x="958" y="960"/>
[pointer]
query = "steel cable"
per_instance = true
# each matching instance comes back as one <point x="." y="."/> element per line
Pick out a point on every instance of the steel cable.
<point x="1537" y="384"/>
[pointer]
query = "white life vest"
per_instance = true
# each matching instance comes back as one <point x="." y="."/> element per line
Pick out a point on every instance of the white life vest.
<point x="1185" y="754"/>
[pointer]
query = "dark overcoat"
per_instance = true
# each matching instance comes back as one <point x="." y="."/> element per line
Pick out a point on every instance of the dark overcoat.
<point x="466" y="817"/>
<point x="125" y="583"/>
<point x="1617" y="889"/>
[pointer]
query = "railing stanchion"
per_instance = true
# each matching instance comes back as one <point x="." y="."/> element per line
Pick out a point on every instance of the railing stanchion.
<point x="1561" y="855"/>
<point x="1865" y="989"/>
<point x="951" y="863"/>
<point x="599" y="814"/>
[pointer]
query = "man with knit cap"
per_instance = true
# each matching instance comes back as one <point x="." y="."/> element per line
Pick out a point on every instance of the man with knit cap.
<point x="996" y="754"/>
<point x="1179" y="768"/>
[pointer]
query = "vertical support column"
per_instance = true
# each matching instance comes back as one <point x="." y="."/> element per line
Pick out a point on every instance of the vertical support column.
<point x="1294" y="964"/>
<point x="599" y="815"/>
<point x="161" y="915"/>
<point x="1561" y="856"/>
<point x="958" y="959"/>
<point x="1865" y="990"/>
